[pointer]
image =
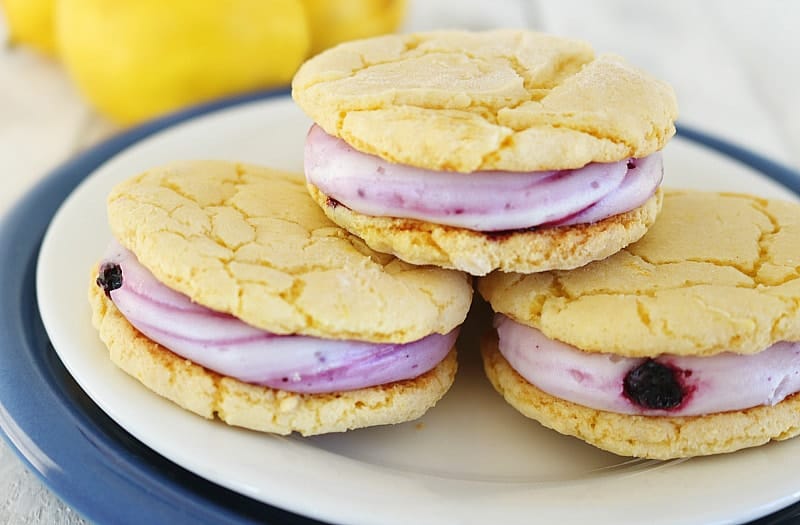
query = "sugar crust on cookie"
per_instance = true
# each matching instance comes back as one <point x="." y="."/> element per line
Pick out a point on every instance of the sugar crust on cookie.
<point x="479" y="253"/>
<point x="497" y="100"/>
<point x="249" y="241"/>
<point x="210" y="395"/>
<point x="717" y="272"/>
<point x="643" y="436"/>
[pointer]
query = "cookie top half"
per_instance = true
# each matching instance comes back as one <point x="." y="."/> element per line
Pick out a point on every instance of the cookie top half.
<point x="497" y="100"/>
<point x="717" y="272"/>
<point x="249" y="241"/>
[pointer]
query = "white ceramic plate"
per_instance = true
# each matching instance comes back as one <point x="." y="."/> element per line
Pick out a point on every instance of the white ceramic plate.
<point x="472" y="459"/>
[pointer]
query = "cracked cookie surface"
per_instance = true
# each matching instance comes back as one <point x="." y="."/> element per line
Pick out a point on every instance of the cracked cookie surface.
<point x="717" y="272"/>
<point x="496" y="100"/>
<point x="249" y="241"/>
<point x="478" y="253"/>
<point x="643" y="436"/>
<point x="211" y="395"/>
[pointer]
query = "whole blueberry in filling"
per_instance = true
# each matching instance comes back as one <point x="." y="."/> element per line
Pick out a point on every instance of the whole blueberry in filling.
<point x="653" y="385"/>
<point x="109" y="278"/>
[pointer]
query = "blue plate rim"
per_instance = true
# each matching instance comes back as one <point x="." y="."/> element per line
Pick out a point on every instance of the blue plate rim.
<point x="52" y="433"/>
<point x="72" y="447"/>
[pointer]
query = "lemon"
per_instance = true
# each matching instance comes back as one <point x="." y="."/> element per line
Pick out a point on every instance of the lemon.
<point x="30" y="22"/>
<point x="335" y="21"/>
<point x="134" y="59"/>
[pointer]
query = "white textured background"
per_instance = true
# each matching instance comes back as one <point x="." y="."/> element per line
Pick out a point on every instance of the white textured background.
<point x="735" y="65"/>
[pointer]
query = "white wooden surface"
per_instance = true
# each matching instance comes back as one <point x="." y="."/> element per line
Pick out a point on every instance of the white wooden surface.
<point x="735" y="65"/>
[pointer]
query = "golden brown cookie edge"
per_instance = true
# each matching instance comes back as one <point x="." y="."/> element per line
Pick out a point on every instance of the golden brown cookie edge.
<point x="642" y="436"/>
<point x="478" y="253"/>
<point x="261" y="408"/>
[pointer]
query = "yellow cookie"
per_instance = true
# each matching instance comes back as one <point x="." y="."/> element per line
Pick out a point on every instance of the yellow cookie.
<point x="209" y="394"/>
<point x="479" y="253"/>
<point x="717" y="272"/>
<point x="643" y="436"/>
<point x="432" y="144"/>
<point x="249" y="241"/>
<point x="228" y="291"/>
<point x="507" y="100"/>
<point x="684" y="343"/>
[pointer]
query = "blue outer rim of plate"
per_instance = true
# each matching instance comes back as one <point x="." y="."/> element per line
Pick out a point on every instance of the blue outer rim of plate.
<point x="74" y="448"/>
<point x="67" y="441"/>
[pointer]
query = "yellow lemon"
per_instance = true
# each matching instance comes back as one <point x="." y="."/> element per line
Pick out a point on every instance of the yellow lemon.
<point x="335" y="21"/>
<point x="134" y="59"/>
<point x="30" y="22"/>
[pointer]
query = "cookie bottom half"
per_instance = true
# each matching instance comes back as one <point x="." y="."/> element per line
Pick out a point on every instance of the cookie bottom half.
<point x="642" y="436"/>
<point x="261" y="408"/>
<point x="478" y="253"/>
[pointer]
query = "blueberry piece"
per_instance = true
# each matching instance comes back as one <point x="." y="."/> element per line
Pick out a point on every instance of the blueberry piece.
<point x="109" y="278"/>
<point x="653" y="385"/>
<point x="631" y="164"/>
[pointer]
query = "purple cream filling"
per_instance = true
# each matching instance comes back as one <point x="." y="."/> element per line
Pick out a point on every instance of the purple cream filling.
<point x="482" y="201"/>
<point x="228" y="346"/>
<point x="717" y="383"/>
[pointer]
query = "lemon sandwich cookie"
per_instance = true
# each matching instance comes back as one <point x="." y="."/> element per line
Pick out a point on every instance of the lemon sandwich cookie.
<point x="505" y="149"/>
<point x="229" y="292"/>
<point x="685" y="343"/>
